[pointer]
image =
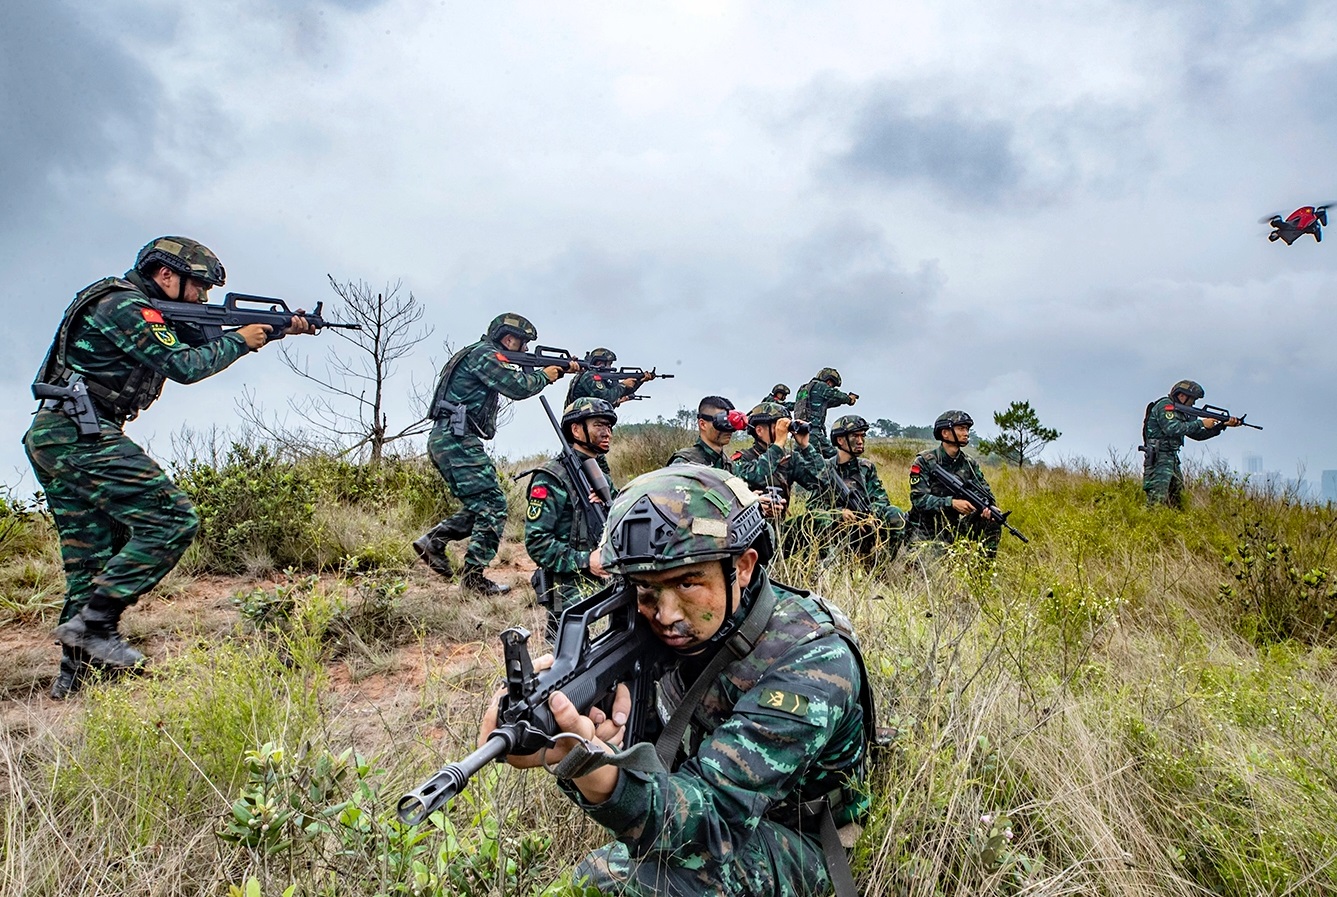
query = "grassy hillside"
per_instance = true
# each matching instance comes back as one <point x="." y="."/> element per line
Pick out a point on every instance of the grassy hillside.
<point x="1136" y="703"/>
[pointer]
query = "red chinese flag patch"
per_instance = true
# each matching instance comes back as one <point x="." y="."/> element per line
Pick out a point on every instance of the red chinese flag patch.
<point x="538" y="493"/>
<point x="914" y="468"/>
<point x="152" y="315"/>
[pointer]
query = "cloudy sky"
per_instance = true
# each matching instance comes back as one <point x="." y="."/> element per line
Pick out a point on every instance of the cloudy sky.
<point x="957" y="205"/>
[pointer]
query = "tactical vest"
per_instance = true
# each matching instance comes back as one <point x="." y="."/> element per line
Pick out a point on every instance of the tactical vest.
<point x="579" y="537"/>
<point x="484" y="420"/>
<point x="803" y="402"/>
<point x="118" y="401"/>
<point x="838" y="786"/>
<point x="1158" y="442"/>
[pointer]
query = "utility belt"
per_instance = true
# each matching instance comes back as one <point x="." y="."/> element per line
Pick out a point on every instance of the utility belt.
<point x="455" y="414"/>
<point x="1156" y="447"/>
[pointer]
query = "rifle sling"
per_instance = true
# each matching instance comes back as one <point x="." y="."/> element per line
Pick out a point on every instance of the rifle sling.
<point x="739" y="645"/>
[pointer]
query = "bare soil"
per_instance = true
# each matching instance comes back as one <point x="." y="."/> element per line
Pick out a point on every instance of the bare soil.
<point x="366" y="693"/>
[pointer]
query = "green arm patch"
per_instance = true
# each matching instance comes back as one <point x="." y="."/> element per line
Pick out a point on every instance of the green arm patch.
<point x="787" y="702"/>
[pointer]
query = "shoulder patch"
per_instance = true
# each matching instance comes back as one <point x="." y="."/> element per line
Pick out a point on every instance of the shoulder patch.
<point x="737" y="456"/>
<point x="152" y="315"/>
<point x="786" y="702"/>
<point x="164" y="334"/>
<point x="538" y="493"/>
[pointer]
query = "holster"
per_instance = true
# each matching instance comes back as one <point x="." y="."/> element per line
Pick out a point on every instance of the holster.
<point x="544" y="588"/>
<point x="456" y="413"/>
<point x="1152" y="451"/>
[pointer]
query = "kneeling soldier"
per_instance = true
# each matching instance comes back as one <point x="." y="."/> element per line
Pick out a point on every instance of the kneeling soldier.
<point x="859" y="516"/>
<point x="935" y="514"/>
<point x="557" y="537"/>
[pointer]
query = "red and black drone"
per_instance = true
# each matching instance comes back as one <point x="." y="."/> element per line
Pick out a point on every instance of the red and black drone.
<point x="1304" y="220"/>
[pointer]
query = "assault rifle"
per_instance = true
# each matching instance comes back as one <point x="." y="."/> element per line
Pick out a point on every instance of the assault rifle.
<point x="586" y="668"/>
<point x="972" y="493"/>
<point x="848" y="498"/>
<point x="640" y="374"/>
<point x="542" y="357"/>
<point x="1212" y="412"/>
<point x="211" y="319"/>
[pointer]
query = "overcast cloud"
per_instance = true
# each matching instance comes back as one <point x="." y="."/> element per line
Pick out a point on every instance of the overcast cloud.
<point x="957" y="207"/>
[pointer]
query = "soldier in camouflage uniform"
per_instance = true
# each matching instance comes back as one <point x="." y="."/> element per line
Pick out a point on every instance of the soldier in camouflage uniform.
<point x="784" y="722"/>
<point x="464" y="408"/>
<point x="123" y="524"/>
<point x="936" y="516"/>
<point x="780" y="396"/>
<point x="716" y="421"/>
<point x="814" y="399"/>
<point x="765" y="465"/>
<point x="861" y="518"/>
<point x="1163" y="432"/>
<point x="557" y="535"/>
<point x="602" y="382"/>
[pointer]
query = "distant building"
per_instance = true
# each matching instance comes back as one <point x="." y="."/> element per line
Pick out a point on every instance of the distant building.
<point x="1329" y="487"/>
<point x="1253" y="463"/>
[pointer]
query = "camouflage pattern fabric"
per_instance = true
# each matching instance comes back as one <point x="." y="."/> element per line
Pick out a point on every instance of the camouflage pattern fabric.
<point x="877" y="537"/>
<point x="932" y="517"/>
<point x="816" y="397"/>
<point x="700" y="453"/>
<point x="478" y="379"/>
<point x="123" y="524"/>
<point x="472" y="478"/>
<point x="1163" y="433"/>
<point x="557" y="537"/>
<point x="781" y="725"/>
<point x="763" y="466"/>
<point x="789" y="406"/>
<point x="604" y="385"/>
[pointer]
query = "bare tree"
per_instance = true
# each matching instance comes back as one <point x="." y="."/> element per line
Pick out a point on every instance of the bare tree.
<point x="350" y="417"/>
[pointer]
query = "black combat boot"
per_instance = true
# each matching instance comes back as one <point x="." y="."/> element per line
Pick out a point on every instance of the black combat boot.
<point x="74" y="670"/>
<point x="474" y="581"/>
<point x="93" y="630"/>
<point x="433" y="554"/>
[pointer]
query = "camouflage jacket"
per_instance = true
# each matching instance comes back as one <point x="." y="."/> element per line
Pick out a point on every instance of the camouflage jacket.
<point x="604" y="385"/>
<point x="1165" y="428"/>
<point x="761" y="466"/>
<point x="789" y="406"/>
<point x="815" y="398"/>
<point x="556" y="536"/>
<point x="476" y="376"/>
<point x="702" y="454"/>
<point x="782" y="725"/>
<point x="118" y="336"/>
<point x="930" y="501"/>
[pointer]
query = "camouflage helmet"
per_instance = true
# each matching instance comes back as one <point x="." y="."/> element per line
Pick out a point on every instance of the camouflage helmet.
<point x="949" y="419"/>
<point x="680" y="515"/>
<point x="850" y="423"/>
<point x="829" y="374"/>
<point x="780" y="389"/>
<point x="1191" y="388"/>
<point x="601" y="356"/>
<point x="511" y="324"/>
<point x="185" y="256"/>
<point x="765" y="413"/>
<point x="587" y="408"/>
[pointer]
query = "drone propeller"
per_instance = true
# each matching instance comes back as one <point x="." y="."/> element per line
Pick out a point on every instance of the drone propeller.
<point x="1268" y="219"/>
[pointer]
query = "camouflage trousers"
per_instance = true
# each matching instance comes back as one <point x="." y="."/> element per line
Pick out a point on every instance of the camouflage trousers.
<point x="820" y="441"/>
<point x="472" y="479"/>
<point x="774" y="862"/>
<point x="123" y="524"/>
<point x="1163" y="481"/>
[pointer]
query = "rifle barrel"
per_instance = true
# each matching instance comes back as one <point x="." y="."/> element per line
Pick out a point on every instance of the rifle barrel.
<point x="414" y="808"/>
